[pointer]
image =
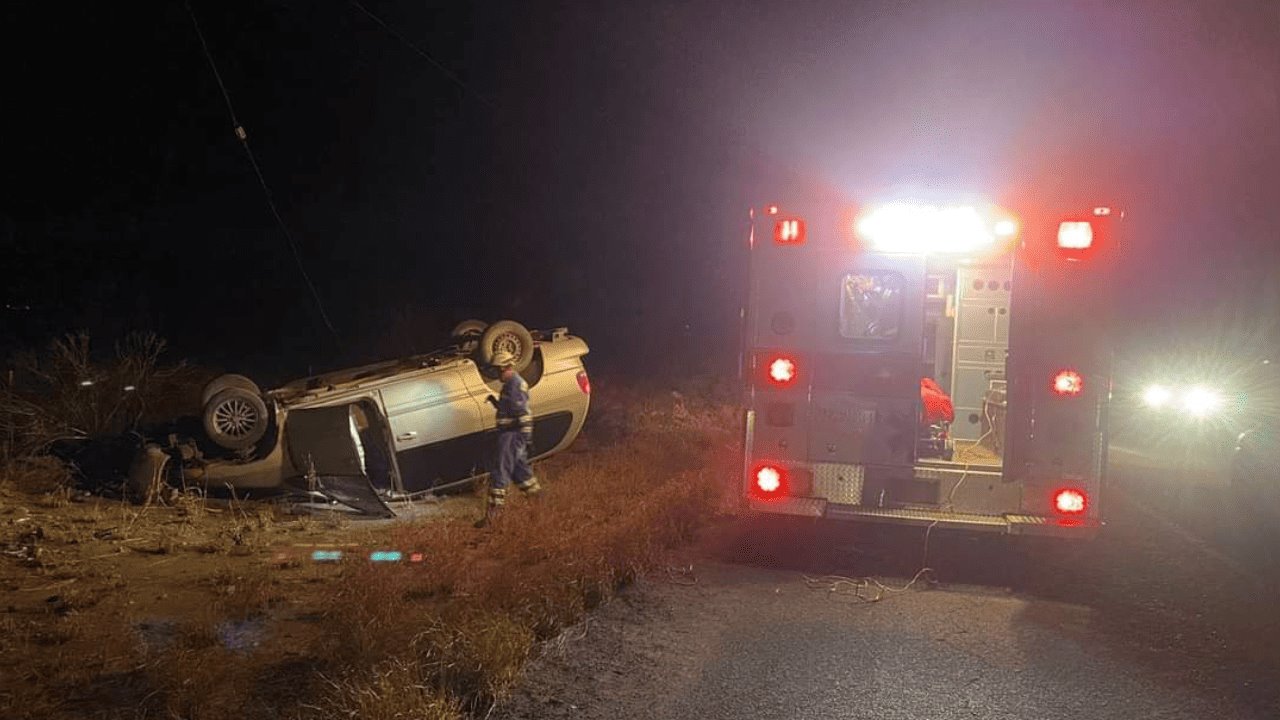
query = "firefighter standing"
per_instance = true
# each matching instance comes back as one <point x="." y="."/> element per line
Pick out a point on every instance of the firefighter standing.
<point x="515" y="430"/>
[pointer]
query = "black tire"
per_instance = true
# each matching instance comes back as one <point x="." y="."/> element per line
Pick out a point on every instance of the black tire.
<point x="235" y="418"/>
<point x="469" y="330"/>
<point x="222" y="382"/>
<point x="507" y="335"/>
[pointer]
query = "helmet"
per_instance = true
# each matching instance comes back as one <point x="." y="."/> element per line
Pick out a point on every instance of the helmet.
<point x="503" y="359"/>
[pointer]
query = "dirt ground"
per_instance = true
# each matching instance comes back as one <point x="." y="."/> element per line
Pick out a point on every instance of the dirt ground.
<point x="86" y="580"/>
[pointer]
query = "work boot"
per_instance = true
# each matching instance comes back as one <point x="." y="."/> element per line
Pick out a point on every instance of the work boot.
<point x="530" y="487"/>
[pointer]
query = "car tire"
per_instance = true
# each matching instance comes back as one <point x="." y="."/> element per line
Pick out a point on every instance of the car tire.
<point x="469" y="330"/>
<point x="235" y="418"/>
<point x="222" y="382"/>
<point x="507" y="335"/>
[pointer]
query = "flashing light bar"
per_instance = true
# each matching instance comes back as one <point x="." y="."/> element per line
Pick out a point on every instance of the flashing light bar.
<point x="931" y="229"/>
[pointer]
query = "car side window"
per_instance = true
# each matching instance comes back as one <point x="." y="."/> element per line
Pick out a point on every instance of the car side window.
<point x="871" y="305"/>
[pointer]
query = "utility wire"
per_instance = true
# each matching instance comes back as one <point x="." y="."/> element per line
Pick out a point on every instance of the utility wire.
<point x="243" y="137"/>
<point x="422" y="53"/>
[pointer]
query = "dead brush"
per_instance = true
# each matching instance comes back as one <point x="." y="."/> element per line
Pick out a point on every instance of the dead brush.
<point x="68" y="393"/>
<point x="463" y="623"/>
<point x="35" y="476"/>
<point x="394" y="689"/>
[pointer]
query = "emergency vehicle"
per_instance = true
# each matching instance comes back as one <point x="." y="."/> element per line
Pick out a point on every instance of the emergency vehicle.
<point x="858" y="320"/>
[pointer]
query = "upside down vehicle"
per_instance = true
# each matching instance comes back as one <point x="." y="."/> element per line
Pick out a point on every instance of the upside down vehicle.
<point x="931" y="365"/>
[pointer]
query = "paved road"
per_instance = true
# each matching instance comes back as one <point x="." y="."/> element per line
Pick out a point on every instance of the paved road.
<point x="1151" y="621"/>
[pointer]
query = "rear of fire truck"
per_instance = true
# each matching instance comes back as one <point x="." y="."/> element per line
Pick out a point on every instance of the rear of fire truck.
<point x="854" y="316"/>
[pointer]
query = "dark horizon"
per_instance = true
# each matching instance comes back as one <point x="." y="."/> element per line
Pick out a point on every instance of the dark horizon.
<point x="592" y="167"/>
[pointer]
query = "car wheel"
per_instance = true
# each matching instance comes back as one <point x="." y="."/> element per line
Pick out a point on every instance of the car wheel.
<point x="222" y="382"/>
<point x="235" y="418"/>
<point x="469" y="329"/>
<point x="510" y="336"/>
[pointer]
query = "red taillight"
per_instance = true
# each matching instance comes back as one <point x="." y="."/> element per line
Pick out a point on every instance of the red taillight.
<point x="771" y="209"/>
<point x="1070" y="501"/>
<point x="781" y="371"/>
<point x="1068" y="382"/>
<point x="584" y="383"/>
<point x="1075" y="235"/>
<point x="788" y="231"/>
<point x="769" y="481"/>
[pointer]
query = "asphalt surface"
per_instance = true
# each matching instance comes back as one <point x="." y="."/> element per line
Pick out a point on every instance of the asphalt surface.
<point x="1166" y="615"/>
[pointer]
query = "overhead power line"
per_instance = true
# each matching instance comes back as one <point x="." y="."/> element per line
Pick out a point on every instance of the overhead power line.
<point x="243" y="137"/>
<point x="422" y="53"/>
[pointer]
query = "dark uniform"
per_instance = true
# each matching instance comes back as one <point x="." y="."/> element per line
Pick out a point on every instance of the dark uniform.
<point x="515" y="430"/>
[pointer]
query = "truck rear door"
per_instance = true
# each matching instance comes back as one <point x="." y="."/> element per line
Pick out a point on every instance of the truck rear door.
<point x="865" y="389"/>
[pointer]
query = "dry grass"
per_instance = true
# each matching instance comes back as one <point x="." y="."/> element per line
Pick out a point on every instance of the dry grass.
<point x="440" y="639"/>
<point x="483" y="599"/>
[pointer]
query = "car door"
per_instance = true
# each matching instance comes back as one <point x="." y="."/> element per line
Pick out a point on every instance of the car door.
<point x="436" y="426"/>
<point x="323" y="442"/>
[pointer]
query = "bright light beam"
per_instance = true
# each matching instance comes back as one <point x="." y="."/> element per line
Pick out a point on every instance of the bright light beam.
<point x="1157" y="396"/>
<point x="1201" y="401"/>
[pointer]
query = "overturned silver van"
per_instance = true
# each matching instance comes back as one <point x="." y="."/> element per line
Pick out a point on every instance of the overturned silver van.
<point x="367" y="434"/>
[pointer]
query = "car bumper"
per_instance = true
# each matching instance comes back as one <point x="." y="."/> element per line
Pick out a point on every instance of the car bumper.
<point x="1008" y="523"/>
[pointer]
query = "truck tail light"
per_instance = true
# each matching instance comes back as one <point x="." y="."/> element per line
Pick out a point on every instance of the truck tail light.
<point x="584" y="383"/>
<point x="1075" y="235"/>
<point x="769" y="481"/>
<point x="1070" y="501"/>
<point x="788" y="231"/>
<point x="1068" y="383"/>
<point x="782" y="370"/>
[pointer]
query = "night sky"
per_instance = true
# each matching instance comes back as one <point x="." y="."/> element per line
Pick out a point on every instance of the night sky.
<point x="591" y="164"/>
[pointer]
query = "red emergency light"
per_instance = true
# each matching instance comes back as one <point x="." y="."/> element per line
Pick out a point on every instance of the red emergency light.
<point x="1070" y="501"/>
<point x="769" y="481"/>
<point x="1079" y="237"/>
<point x="788" y="231"/>
<point x="1075" y="235"/>
<point x="1068" y="383"/>
<point x="781" y="370"/>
